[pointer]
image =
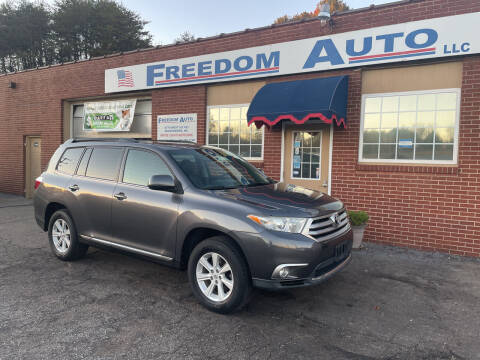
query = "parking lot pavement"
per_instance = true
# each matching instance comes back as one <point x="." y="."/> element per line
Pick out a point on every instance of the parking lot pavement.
<point x="389" y="303"/>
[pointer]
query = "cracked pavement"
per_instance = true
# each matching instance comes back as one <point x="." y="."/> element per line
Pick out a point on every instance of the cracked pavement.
<point x="389" y="303"/>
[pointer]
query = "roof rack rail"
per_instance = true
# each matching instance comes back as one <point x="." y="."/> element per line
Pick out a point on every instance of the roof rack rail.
<point x="174" y="141"/>
<point x="85" y="139"/>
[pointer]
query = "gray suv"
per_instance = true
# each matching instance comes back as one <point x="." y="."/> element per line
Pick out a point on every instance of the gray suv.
<point x="193" y="207"/>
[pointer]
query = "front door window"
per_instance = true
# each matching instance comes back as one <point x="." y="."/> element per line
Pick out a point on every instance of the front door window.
<point x="306" y="154"/>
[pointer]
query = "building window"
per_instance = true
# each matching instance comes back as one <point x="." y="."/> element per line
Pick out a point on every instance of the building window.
<point x="411" y="127"/>
<point x="228" y="129"/>
<point x="306" y="154"/>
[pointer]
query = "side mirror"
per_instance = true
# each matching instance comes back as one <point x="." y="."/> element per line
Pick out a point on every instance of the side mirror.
<point x="162" y="182"/>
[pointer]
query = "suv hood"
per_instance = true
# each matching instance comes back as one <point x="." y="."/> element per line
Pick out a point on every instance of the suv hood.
<point x="282" y="199"/>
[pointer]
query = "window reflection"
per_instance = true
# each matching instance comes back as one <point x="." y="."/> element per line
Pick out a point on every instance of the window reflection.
<point x="306" y="154"/>
<point x="229" y="130"/>
<point x="410" y="127"/>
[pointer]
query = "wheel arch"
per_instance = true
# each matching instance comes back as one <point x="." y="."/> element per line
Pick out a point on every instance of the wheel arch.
<point x="50" y="210"/>
<point x="199" y="234"/>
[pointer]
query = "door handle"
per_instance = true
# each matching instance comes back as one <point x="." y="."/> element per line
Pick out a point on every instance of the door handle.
<point x="120" y="196"/>
<point x="74" y="187"/>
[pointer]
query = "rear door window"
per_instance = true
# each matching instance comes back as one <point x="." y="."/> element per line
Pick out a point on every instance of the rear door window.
<point x="69" y="160"/>
<point x="104" y="163"/>
<point x="141" y="165"/>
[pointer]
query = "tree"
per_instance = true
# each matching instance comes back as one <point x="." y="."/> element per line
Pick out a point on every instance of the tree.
<point x="335" y="5"/>
<point x="25" y="40"/>
<point x="285" y="18"/>
<point x="184" y="37"/>
<point x="89" y="28"/>
<point x="33" y="34"/>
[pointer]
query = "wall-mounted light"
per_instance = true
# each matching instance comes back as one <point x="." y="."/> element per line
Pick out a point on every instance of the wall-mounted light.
<point x="12" y="84"/>
<point x="324" y="15"/>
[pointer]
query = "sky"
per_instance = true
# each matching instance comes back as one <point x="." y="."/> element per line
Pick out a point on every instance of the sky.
<point x="203" y="18"/>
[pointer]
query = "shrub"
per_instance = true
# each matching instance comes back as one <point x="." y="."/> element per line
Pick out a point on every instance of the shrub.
<point x="358" y="218"/>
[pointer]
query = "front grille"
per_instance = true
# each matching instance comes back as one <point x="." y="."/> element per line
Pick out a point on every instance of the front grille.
<point x="327" y="227"/>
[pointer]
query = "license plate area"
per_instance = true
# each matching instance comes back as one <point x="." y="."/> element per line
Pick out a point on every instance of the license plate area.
<point x="341" y="251"/>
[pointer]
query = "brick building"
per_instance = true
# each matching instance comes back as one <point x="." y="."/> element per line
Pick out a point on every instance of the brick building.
<point x="409" y="153"/>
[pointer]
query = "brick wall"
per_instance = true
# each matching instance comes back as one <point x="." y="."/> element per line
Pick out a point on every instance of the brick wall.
<point x="178" y="100"/>
<point x="431" y="208"/>
<point x="420" y="207"/>
<point x="423" y="207"/>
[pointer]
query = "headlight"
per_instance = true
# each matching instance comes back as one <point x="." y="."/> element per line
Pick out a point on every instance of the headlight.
<point x="285" y="224"/>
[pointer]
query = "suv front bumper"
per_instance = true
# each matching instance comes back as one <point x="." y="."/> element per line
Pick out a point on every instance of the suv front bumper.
<point x="314" y="279"/>
<point x="320" y="259"/>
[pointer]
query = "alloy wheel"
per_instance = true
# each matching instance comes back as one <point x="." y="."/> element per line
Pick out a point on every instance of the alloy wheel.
<point x="214" y="277"/>
<point x="61" y="236"/>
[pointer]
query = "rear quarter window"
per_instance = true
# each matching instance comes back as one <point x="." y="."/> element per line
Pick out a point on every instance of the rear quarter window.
<point x="69" y="160"/>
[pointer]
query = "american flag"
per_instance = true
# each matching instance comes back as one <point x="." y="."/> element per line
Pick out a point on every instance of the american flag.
<point x="125" y="78"/>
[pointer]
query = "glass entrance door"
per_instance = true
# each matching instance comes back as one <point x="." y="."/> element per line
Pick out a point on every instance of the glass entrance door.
<point x="306" y="156"/>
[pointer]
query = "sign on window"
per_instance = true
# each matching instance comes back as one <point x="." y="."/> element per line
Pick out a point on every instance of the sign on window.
<point x="177" y="127"/>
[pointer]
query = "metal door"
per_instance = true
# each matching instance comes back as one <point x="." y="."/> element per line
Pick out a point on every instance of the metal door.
<point x="33" y="145"/>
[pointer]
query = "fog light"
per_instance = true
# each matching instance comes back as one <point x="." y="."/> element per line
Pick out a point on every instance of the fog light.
<point x="283" y="273"/>
<point x="286" y="271"/>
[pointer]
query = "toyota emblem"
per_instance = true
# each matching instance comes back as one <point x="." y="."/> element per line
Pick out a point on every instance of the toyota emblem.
<point x="335" y="220"/>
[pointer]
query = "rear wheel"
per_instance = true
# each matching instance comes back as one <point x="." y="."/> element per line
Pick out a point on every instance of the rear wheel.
<point x="219" y="275"/>
<point x="63" y="237"/>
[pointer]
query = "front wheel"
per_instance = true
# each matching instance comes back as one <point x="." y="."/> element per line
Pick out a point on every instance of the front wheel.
<point x="219" y="275"/>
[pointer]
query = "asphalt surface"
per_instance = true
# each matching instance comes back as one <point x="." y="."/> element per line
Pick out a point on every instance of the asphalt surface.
<point x="389" y="303"/>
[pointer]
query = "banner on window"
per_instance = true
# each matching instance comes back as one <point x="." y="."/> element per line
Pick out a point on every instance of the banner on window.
<point x="109" y="115"/>
<point x="177" y="127"/>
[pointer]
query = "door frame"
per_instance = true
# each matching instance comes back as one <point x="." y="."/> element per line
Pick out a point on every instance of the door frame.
<point x="27" y="173"/>
<point x="330" y="148"/>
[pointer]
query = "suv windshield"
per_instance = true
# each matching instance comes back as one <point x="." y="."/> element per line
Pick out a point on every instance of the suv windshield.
<point x="216" y="169"/>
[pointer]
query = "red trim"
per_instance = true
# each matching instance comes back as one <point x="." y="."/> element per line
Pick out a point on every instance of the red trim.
<point x="263" y="119"/>
<point x="270" y="196"/>
<point x="392" y="54"/>
<point x="216" y="75"/>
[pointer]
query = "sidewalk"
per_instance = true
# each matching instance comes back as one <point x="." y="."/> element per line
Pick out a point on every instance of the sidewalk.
<point x="9" y="200"/>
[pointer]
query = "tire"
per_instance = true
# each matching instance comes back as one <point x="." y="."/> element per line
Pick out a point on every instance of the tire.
<point x="238" y="277"/>
<point x="66" y="248"/>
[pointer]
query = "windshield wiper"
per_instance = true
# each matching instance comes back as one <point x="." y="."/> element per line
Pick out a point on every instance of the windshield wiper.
<point x="222" y="187"/>
<point x="256" y="184"/>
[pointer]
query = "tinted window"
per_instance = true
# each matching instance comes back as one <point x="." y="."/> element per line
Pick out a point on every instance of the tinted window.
<point x="83" y="163"/>
<point x="104" y="163"/>
<point x="141" y="165"/>
<point x="69" y="160"/>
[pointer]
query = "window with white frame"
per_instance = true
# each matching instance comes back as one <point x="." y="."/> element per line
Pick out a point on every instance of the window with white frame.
<point x="228" y="129"/>
<point x="417" y="127"/>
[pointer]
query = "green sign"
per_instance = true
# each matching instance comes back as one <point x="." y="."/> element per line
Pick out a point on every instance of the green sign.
<point x="109" y="115"/>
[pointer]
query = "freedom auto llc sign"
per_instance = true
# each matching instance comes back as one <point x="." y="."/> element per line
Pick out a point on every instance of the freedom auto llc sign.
<point x="432" y="38"/>
<point x="177" y="127"/>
